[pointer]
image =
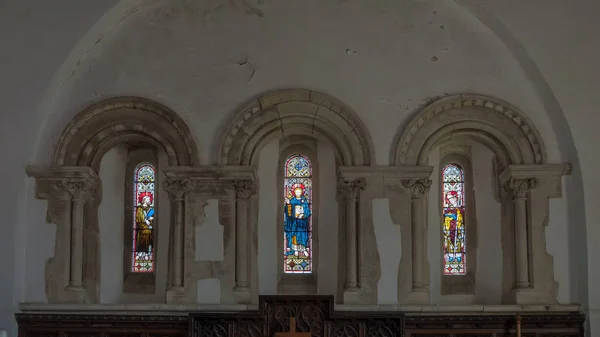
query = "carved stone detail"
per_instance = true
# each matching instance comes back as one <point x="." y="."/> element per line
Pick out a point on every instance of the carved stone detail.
<point x="130" y="114"/>
<point x="244" y="189"/>
<point x="76" y="190"/>
<point x="261" y="113"/>
<point x="520" y="187"/>
<point x="351" y="188"/>
<point x="491" y="105"/>
<point x="177" y="187"/>
<point x="417" y="187"/>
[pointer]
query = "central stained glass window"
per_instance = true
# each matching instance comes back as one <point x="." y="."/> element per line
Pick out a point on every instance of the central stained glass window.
<point x="297" y="227"/>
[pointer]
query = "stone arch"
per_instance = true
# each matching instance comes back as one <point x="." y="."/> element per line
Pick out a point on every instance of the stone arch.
<point x="74" y="189"/>
<point x="116" y="120"/>
<point x="290" y="112"/>
<point x="527" y="182"/>
<point x="496" y="124"/>
<point x="295" y="116"/>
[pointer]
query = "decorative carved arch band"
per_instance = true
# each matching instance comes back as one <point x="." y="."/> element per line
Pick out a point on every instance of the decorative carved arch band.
<point x="125" y="118"/>
<point x="296" y="112"/>
<point x="488" y="120"/>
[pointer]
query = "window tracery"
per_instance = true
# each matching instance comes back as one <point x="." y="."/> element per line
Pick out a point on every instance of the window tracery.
<point x="144" y="199"/>
<point x="297" y="227"/>
<point x="453" y="226"/>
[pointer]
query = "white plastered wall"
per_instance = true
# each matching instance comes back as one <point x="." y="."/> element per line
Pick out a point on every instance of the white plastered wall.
<point x="564" y="61"/>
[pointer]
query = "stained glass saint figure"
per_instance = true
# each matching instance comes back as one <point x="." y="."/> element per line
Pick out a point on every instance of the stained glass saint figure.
<point x="297" y="215"/>
<point x="454" y="221"/>
<point x="144" y="215"/>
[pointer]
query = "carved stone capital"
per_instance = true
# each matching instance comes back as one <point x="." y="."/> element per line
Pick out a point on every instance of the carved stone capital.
<point x="351" y="188"/>
<point x="417" y="187"/>
<point x="80" y="191"/>
<point x="177" y="188"/>
<point x="243" y="188"/>
<point x="519" y="187"/>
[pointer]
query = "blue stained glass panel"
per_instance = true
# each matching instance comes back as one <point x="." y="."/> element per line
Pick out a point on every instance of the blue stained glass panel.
<point x="297" y="215"/>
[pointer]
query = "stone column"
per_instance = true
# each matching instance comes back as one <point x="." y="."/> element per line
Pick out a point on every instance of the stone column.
<point x="418" y="190"/>
<point x="176" y="188"/>
<point x="243" y="190"/>
<point x="79" y="192"/>
<point x="519" y="189"/>
<point x="351" y="189"/>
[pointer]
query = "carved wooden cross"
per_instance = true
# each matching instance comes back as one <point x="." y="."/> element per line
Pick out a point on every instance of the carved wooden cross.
<point x="292" y="332"/>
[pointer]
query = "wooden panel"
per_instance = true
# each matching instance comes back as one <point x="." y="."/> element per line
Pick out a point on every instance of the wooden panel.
<point x="532" y="325"/>
<point x="313" y="313"/>
<point x="56" y="325"/>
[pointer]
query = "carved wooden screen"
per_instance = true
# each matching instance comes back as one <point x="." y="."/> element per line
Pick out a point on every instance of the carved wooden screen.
<point x="532" y="325"/>
<point x="313" y="314"/>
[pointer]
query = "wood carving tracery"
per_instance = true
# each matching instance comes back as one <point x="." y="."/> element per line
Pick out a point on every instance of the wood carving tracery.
<point x="313" y="313"/>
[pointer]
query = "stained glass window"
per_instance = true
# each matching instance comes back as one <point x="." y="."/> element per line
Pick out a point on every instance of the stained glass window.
<point x="297" y="215"/>
<point x="453" y="225"/>
<point x="143" y="218"/>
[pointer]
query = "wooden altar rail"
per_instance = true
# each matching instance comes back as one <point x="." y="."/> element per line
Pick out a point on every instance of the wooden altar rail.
<point x="61" y="325"/>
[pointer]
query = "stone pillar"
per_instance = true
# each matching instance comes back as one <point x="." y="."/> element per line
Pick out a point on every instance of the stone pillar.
<point x="528" y="266"/>
<point x="418" y="190"/>
<point x="351" y="189"/>
<point x="243" y="190"/>
<point x="79" y="192"/>
<point x="519" y="189"/>
<point x="176" y="188"/>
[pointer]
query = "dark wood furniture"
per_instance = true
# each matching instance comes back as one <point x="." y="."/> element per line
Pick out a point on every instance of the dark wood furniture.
<point x="313" y="314"/>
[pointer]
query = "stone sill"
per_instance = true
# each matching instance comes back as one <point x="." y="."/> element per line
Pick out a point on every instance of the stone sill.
<point x="184" y="309"/>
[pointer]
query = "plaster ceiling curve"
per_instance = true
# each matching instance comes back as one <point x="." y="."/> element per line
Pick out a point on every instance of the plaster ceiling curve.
<point x="561" y="135"/>
<point x="204" y="59"/>
<point x="52" y="118"/>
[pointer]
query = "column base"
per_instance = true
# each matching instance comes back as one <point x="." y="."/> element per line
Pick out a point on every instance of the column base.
<point x="76" y="294"/>
<point x="243" y="295"/>
<point x="351" y="296"/>
<point x="418" y="296"/>
<point x="176" y="295"/>
<point x="526" y="296"/>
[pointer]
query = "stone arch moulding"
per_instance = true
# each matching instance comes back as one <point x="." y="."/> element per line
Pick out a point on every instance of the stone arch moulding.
<point x="123" y="118"/>
<point x="527" y="179"/>
<point x="296" y="112"/>
<point x="491" y="121"/>
<point x="73" y="188"/>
